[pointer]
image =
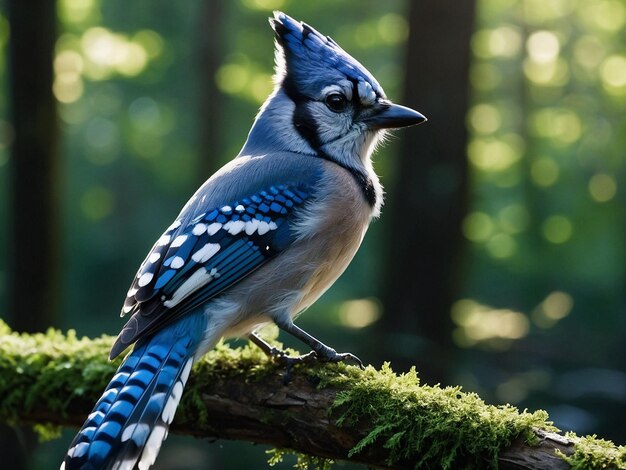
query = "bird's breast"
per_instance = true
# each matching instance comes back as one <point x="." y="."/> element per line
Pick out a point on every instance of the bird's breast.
<point x="331" y="229"/>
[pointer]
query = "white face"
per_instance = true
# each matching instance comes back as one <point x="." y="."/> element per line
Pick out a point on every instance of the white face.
<point x="337" y="116"/>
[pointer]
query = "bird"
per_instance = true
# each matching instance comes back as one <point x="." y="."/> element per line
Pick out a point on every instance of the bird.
<point x="259" y="242"/>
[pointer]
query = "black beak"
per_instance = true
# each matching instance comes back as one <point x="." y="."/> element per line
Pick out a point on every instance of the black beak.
<point x="392" y="116"/>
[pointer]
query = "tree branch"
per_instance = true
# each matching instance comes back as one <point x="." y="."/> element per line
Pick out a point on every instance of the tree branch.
<point x="332" y="411"/>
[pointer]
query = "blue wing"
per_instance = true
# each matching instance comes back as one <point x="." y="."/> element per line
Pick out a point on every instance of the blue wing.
<point x="194" y="261"/>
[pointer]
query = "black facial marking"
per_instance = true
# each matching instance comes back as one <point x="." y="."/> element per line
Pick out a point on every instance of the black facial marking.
<point x="366" y="185"/>
<point x="355" y="90"/>
<point x="305" y="125"/>
<point x="291" y="90"/>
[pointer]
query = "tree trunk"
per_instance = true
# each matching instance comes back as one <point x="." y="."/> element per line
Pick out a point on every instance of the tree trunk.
<point x="34" y="166"/>
<point x="428" y="200"/>
<point x="33" y="232"/>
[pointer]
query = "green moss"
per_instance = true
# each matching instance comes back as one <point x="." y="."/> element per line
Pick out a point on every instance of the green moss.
<point x="48" y="365"/>
<point x="435" y="427"/>
<point x="303" y="462"/>
<point x="591" y="453"/>
<point x="47" y="432"/>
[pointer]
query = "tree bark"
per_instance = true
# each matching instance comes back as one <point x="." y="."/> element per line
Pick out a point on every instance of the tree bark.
<point x="295" y="416"/>
<point x="428" y="200"/>
<point x="332" y="411"/>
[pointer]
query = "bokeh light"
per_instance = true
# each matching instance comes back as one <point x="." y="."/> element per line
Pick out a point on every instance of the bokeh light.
<point x="359" y="313"/>
<point x="602" y="187"/>
<point x="480" y="324"/>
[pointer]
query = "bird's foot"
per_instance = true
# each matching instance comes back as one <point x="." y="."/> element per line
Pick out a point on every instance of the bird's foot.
<point x="330" y="355"/>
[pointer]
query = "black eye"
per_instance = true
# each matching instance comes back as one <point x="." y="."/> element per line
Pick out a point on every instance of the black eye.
<point x="336" y="102"/>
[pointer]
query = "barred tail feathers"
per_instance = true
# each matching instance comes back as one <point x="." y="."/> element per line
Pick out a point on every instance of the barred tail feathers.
<point x="130" y="421"/>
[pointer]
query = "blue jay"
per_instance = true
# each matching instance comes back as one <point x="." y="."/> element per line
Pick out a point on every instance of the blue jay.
<point x="260" y="241"/>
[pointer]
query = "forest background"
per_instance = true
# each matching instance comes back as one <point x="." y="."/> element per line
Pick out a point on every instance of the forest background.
<point x="498" y="263"/>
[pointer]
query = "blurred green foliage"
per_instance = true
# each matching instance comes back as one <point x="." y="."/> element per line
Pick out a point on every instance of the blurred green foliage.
<point x="540" y="321"/>
<point x="544" y="291"/>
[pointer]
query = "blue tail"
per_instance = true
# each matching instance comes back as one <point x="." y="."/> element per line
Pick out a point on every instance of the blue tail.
<point x="130" y="421"/>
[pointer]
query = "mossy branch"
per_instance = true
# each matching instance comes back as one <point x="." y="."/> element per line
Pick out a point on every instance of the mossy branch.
<point x="332" y="411"/>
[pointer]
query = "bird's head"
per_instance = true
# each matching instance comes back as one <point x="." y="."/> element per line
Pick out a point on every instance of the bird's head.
<point x="325" y="102"/>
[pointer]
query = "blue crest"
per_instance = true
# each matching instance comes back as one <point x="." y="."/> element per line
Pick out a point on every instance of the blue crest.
<point x="312" y="60"/>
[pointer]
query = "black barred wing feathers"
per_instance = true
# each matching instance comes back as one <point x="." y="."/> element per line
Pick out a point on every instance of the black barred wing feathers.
<point x="193" y="262"/>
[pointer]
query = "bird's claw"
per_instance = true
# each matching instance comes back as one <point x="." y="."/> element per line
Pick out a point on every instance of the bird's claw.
<point x="344" y="357"/>
<point x="314" y="356"/>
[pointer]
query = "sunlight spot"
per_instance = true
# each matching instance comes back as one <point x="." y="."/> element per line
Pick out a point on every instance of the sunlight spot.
<point x="482" y="324"/>
<point x="492" y="154"/>
<point x="504" y="41"/>
<point x="543" y="47"/>
<point x="613" y="73"/>
<point x="544" y="172"/>
<point x="478" y="227"/>
<point x="76" y="11"/>
<point x="543" y="11"/>
<point x="359" y="313"/>
<point x="261" y="86"/>
<point x="557" y="229"/>
<point x="480" y="43"/>
<point x="393" y="28"/>
<point x="68" y="84"/>
<point x="232" y="78"/>
<point x="267" y="5"/>
<point x="602" y="187"/>
<point x="151" y="42"/>
<point x="68" y="61"/>
<point x="501" y="246"/>
<point x="609" y="15"/>
<point x="109" y="52"/>
<point x="101" y="46"/>
<point x="67" y="88"/>
<point x="134" y="61"/>
<point x="555" y="73"/>
<point x="560" y="124"/>
<point x="556" y="306"/>
<point x="485" y="118"/>
<point x="589" y="52"/>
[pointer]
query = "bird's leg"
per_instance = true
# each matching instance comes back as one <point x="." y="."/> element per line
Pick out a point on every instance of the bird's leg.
<point x="279" y="354"/>
<point x="320" y="351"/>
<point x="266" y="347"/>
